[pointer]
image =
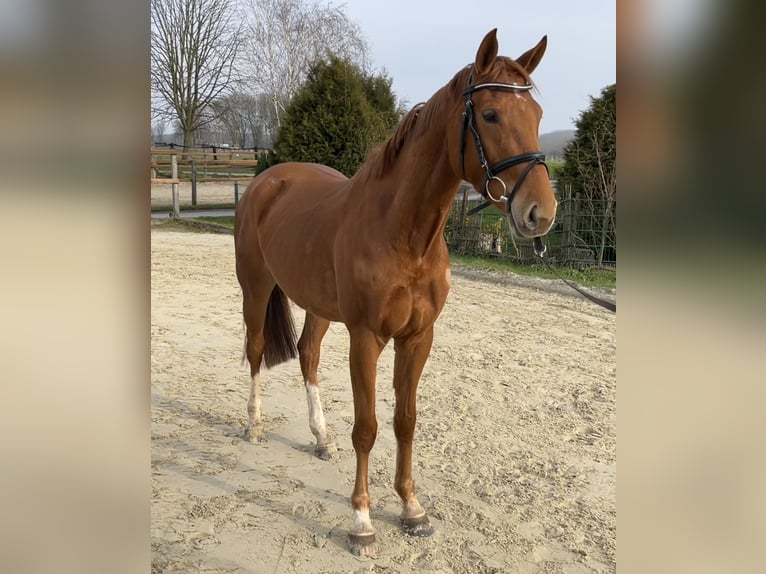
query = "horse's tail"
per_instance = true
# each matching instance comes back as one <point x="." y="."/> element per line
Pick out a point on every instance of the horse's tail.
<point x="278" y="330"/>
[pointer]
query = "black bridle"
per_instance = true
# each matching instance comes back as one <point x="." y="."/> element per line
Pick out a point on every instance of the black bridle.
<point x="490" y="172"/>
<point x="533" y="158"/>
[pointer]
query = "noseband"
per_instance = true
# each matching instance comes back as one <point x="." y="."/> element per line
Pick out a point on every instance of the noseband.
<point x="490" y="172"/>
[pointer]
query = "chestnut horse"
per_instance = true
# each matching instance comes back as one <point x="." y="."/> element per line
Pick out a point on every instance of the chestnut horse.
<point x="369" y="252"/>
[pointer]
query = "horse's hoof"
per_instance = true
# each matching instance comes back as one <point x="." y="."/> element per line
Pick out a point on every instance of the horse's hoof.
<point x="326" y="451"/>
<point x="419" y="526"/>
<point x="254" y="435"/>
<point x="362" y="544"/>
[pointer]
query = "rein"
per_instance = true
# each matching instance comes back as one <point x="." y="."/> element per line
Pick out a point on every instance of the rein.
<point x="540" y="250"/>
<point x="490" y="172"/>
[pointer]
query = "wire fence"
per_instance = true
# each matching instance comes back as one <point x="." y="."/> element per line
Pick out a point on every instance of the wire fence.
<point x="584" y="235"/>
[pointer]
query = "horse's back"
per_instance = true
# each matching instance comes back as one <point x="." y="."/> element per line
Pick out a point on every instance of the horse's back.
<point x="301" y="178"/>
<point x="288" y="184"/>
<point x="284" y="189"/>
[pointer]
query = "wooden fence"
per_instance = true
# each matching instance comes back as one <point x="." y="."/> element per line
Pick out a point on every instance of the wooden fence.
<point x="204" y="165"/>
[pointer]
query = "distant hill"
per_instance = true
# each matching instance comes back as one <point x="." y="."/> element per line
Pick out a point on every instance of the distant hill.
<point x="552" y="144"/>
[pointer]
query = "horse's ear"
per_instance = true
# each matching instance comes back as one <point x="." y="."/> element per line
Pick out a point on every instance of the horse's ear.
<point x="487" y="53"/>
<point x="531" y="58"/>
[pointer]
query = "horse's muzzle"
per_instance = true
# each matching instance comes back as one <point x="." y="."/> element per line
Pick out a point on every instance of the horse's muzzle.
<point x="531" y="221"/>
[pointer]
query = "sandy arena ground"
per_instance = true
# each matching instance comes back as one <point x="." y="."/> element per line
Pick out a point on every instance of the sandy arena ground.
<point x="515" y="453"/>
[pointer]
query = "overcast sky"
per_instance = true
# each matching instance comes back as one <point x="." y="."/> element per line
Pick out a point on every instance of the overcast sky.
<point x="423" y="43"/>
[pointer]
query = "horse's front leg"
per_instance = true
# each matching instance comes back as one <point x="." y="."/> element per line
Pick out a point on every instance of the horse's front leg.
<point x="365" y="350"/>
<point x="411" y="355"/>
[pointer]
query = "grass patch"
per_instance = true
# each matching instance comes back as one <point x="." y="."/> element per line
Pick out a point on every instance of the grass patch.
<point x="555" y="167"/>
<point x="224" y="221"/>
<point x="174" y="225"/>
<point x="194" y="225"/>
<point x="593" y="277"/>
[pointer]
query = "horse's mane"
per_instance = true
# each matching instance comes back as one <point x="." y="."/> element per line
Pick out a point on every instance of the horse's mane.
<point x="422" y="116"/>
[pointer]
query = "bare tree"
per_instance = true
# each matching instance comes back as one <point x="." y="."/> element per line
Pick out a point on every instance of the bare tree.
<point x="194" y="45"/>
<point x="231" y="113"/>
<point x="264" y="129"/>
<point x="286" y="36"/>
<point x="245" y="120"/>
<point x="159" y="127"/>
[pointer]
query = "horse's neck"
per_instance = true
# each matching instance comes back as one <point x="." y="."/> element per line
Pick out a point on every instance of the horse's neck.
<point x="419" y="202"/>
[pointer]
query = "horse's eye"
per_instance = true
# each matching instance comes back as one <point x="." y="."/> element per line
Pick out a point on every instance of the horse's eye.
<point x="490" y="116"/>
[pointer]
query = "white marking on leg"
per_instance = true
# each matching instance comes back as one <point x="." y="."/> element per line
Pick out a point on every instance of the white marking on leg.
<point x="362" y="523"/>
<point x="316" y="415"/>
<point x="254" y="405"/>
<point x="244" y="345"/>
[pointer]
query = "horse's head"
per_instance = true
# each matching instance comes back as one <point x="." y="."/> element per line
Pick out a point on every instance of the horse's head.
<point x="498" y="140"/>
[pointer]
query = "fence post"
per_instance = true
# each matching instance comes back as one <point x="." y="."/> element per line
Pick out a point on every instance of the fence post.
<point x="236" y="193"/>
<point x="459" y="236"/>
<point x="567" y="232"/>
<point x="194" y="181"/>
<point x="174" y="175"/>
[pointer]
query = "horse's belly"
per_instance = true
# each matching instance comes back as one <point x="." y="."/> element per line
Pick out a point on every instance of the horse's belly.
<point x="321" y="305"/>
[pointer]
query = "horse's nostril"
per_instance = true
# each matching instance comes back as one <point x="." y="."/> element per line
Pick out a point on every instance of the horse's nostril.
<point x="532" y="217"/>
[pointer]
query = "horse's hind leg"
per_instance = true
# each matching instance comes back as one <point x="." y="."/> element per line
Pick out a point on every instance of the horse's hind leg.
<point x="254" y="313"/>
<point x="309" y="344"/>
